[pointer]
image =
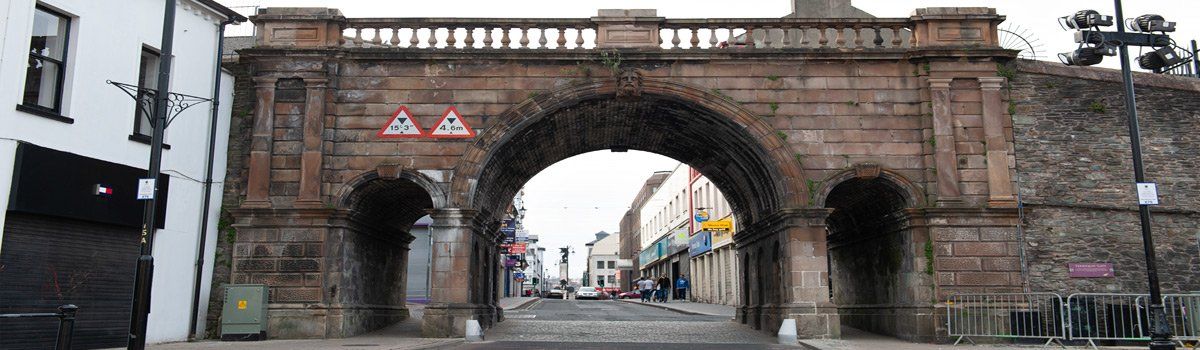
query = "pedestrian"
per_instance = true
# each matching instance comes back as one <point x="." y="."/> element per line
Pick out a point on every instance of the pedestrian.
<point x="646" y="287"/>
<point x="664" y="286"/>
<point x="681" y="287"/>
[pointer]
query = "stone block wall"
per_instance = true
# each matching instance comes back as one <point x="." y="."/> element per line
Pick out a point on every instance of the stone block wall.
<point x="1076" y="176"/>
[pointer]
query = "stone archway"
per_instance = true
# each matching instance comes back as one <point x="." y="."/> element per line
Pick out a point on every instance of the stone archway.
<point x="881" y="272"/>
<point x="745" y="158"/>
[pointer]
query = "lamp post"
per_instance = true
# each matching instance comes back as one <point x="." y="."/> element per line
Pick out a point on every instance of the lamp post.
<point x="1094" y="45"/>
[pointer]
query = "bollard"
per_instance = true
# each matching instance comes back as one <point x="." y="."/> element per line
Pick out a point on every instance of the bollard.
<point x="474" y="332"/>
<point x="787" y="332"/>
<point x="66" y="326"/>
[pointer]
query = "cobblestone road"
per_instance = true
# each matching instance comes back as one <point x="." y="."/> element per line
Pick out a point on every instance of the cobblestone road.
<point x="586" y="324"/>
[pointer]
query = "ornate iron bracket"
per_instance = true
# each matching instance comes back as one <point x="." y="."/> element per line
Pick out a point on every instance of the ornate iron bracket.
<point x="145" y="98"/>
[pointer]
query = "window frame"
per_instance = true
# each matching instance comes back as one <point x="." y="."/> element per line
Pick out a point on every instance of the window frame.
<point x="60" y="78"/>
<point x="137" y="108"/>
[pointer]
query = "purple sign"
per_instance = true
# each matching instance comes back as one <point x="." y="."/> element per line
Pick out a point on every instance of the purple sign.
<point x="1090" y="270"/>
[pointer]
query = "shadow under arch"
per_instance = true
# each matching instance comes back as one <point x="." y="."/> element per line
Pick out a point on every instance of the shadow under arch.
<point x="742" y="155"/>
<point x="879" y="273"/>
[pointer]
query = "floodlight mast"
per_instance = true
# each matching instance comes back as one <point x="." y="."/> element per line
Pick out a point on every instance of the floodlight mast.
<point x="1160" y="332"/>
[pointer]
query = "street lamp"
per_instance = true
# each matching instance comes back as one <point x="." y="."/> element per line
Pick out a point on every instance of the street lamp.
<point x="1093" y="46"/>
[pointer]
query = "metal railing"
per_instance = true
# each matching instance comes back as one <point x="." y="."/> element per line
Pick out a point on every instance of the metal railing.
<point x="1100" y="316"/>
<point x="1089" y="317"/>
<point x="1183" y="314"/>
<point x="1006" y="315"/>
<point x="66" y="323"/>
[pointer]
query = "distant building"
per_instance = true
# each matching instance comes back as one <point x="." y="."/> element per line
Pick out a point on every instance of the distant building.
<point x="602" y="262"/>
<point x="630" y="226"/>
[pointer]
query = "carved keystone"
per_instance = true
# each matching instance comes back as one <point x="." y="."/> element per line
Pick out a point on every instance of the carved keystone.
<point x="298" y="27"/>
<point x="866" y="171"/>
<point x="389" y="171"/>
<point x="627" y="28"/>
<point x="956" y="26"/>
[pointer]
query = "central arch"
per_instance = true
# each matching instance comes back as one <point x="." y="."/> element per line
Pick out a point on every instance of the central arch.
<point x="748" y="160"/>
<point x="743" y="156"/>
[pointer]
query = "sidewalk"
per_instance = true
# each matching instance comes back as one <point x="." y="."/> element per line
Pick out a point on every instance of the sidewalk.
<point x="689" y="307"/>
<point x="516" y="302"/>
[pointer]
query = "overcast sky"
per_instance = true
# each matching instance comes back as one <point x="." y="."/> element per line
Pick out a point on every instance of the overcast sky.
<point x="571" y="200"/>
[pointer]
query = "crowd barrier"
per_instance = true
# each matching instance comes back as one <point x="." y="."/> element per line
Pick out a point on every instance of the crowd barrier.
<point x="1085" y="317"/>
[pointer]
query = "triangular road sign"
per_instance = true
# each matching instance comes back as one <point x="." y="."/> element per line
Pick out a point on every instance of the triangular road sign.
<point x="452" y="125"/>
<point x="401" y="125"/>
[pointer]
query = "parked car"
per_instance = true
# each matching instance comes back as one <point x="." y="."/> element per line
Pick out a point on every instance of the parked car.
<point x="555" y="293"/>
<point x="588" y="293"/>
<point x="633" y="294"/>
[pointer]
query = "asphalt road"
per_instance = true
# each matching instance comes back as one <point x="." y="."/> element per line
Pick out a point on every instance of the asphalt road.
<point x="590" y="324"/>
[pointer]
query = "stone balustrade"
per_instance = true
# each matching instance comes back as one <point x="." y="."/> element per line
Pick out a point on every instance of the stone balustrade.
<point x="469" y="33"/>
<point x="788" y="33"/>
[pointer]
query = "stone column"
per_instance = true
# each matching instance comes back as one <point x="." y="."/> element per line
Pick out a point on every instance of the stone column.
<point x="258" y="184"/>
<point x="453" y="277"/>
<point x="310" y="159"/>
<point x="1000" y="186"/>
<point x="945" y="156"/>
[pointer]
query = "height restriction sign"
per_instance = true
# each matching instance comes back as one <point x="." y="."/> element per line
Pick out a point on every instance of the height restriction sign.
<point x="452" y="125"/>
<point x="401" y="125"/>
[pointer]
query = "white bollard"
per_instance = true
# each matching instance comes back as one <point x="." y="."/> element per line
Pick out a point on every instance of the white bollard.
<point x="474" y="331"/>
<point x="787" y="332"/>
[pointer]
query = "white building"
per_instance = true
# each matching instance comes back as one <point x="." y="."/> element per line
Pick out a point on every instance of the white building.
<point x="72" y="149"/>
<point x="602" y="262"/>
<point x="664" y="227"/>
<point x="714" y="261"/>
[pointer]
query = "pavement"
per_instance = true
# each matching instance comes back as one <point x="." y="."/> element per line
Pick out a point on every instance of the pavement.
<point x="691" y="308"/>
<point x="516" y="302"/>
<point x="608" y="324"/>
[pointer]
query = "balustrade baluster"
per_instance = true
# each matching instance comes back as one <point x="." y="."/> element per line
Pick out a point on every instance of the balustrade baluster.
<point x="878" y="37"/>
<point x="823" y="39"/>
<point x="695" y="37"/>
<point x="378" y="40"/>
<point x="578" y="37"/>
<point x="858" y="41"/>
<point x="562" y="38"/>
<point x="712" y="37"/>
<point x="542" y="42"/>
<point x="729" y="40"/>
<point x="787" y="37"/>
<point x="487" y="37"/>
<point x="395" y="37"/>
<point x="450" y="40"/>
<point x="895" y="36"/>
<point x="505" y="41"/>
<point x="748" y="38"/>
<point x="841" y="37"/>
<point x="433" y="40"/>
<point x="803" y="32"/>
<point x="414" y="42"/>
<point x="469" y="42"/>
<point x="524" y="43"/>
<point x="358" y="40"/>
<point x="674" y="38"/>
<point x="767" y="42"/>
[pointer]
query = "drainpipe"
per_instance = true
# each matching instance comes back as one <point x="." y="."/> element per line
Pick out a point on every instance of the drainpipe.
<point x="208" y="180"/>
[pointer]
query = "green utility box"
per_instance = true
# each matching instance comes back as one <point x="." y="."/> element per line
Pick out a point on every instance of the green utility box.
<point x="244" y="316"/>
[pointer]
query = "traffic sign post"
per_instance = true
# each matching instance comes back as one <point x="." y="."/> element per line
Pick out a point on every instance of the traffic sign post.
<point x="451" y="125"/>
<point x="402" y="125"/>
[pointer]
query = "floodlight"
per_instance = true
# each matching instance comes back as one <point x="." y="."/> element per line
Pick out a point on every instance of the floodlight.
<point x="1085" y="19"/>
<point x="1159" y="60"/>
<point x="1084" y="56"/>
<point x="1150" y="24"/>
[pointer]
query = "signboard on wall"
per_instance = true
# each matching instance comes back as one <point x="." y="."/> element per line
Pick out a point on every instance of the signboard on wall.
<point x="1091" y="270"/>
<point x="514" y="248"/>
<point x="700" y="243"/>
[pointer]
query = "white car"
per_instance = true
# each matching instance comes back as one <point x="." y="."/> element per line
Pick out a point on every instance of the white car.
<point x="587" y="293"/>
<point x="555" y="293"/>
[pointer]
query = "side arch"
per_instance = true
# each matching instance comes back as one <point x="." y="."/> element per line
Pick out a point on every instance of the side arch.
<point x="913" y="195"/>
<point x="343" y="198"/>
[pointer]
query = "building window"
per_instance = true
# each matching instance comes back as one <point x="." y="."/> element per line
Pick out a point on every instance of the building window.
<point x="47" y="61"/>
<point x="599" y="280"/>
<point x="147" y="87"/>
<point x="612" y="264"/>
<point x="599" y="264"/>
